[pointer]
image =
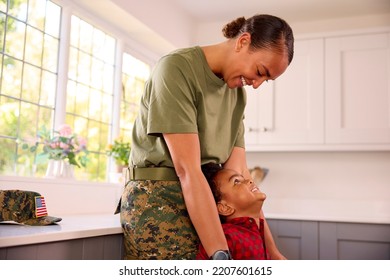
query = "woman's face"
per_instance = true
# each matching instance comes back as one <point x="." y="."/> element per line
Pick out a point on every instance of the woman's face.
<point x="248" y="67"/>
<point x="241" y="194"/>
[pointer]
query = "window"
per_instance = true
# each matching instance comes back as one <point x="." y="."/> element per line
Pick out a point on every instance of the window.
<point x="29" y="41"/>
<point x="90" y="91"/>
<point x="30" y="51"/>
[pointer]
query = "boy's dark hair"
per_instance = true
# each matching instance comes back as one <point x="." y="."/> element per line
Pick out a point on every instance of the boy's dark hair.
<point x="210" y="170"/>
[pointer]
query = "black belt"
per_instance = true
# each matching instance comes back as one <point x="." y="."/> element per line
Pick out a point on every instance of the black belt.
<point x="151" y="173"/>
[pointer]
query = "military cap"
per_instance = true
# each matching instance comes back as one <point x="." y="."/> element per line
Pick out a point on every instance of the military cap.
<point x="25" y="207"/>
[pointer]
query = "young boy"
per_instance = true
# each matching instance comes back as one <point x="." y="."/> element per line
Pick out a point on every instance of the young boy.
<point x="239" y="203"/>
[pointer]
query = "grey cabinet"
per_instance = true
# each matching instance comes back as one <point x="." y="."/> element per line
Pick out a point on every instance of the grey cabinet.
<point x="312" y="240"/>
<point x="344" y="241"/>
<point x="108" y="247"/>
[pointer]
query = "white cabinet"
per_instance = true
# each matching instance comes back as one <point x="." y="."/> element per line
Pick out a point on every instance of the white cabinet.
<point x="289" y="110"/>
<point x="335" y="95"/>
<point x="358" y="89"/>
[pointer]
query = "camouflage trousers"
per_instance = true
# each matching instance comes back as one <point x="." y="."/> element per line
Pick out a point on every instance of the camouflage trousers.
<point x="155" y="222"/>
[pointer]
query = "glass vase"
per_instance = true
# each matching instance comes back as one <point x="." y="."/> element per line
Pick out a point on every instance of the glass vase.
<point x="59" y="169"/>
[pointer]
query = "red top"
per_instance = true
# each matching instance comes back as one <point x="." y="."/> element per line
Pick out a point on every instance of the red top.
<point x="245" y="240"/>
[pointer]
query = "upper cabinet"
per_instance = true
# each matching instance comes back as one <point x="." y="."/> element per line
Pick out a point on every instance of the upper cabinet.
<point x="357" y="91"/>
<point x="289" y="110"/>
<point x="335" y="95"/>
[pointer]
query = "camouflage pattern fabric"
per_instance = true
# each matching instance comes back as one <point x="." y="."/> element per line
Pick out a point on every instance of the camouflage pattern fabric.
<point x="155" y="222"/>
<point x="20" y="206"/>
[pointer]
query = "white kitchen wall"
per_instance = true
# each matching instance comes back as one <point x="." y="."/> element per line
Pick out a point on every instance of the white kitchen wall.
<point x="167" y="20"/>
<point x="329" y="186"/>
<point x="210" y="33"/>
<point x="325" y="175"/>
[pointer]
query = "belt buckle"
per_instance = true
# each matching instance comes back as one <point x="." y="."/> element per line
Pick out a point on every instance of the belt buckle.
<point x="130" y="174"/>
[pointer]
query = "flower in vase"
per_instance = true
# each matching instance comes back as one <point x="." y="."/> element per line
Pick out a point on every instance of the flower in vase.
<point x="61" y="144"/>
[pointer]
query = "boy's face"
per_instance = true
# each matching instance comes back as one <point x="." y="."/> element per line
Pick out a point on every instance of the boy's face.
<point x="241" y="194"/>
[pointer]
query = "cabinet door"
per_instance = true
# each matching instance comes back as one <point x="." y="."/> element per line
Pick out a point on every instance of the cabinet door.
<point x="289" y="111"/>
<point x="352" y="241"/>
<point x="358" y="89"/>
<point x="296" y="240"/>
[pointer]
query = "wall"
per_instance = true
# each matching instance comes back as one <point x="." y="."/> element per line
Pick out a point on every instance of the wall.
<point x="326" y="186"/>
<point x="335" y="25"/>
<point x="325" y="175"/>
<point x="211" y="32"/>
<point x="169" y="21"/>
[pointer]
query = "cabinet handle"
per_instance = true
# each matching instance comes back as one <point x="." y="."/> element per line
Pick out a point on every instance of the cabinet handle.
<point x="263" y="129"/>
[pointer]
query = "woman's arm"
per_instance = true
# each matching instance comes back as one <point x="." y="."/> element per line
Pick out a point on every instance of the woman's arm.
<point x="270" y="243"/>
<point x="237" y="161"/>
<point x="185" y="152"/>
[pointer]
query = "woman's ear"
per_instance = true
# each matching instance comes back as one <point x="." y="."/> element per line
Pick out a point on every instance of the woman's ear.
<point x="225" y="209"/>
<point x="243" y="40"/>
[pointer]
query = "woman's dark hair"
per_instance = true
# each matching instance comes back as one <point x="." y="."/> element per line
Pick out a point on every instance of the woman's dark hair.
<point x="267" y="32"/>
<point x="210" y="170"/>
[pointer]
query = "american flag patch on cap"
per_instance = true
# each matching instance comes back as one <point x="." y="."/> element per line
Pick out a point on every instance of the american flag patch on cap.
<point x="40" y="207"/>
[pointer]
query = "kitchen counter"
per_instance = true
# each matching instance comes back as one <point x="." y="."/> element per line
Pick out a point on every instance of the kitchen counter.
<point x="71" y="227"/>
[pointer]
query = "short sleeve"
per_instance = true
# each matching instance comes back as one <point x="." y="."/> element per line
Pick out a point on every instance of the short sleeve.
<point x="172" y="101"/>
<point x="240" y="142"/>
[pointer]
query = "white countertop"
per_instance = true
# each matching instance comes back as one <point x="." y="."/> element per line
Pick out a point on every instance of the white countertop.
<point x="71" y="227"/>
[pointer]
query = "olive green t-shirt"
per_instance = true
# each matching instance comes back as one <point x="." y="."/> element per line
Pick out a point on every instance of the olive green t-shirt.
<point x="183" y="95"/>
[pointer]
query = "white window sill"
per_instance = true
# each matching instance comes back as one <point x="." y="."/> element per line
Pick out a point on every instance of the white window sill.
<point x="69" y="197"/>
<point x="27" y="179"/>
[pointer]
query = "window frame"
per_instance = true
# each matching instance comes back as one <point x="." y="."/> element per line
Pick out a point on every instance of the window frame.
<point x="124" y="44"/>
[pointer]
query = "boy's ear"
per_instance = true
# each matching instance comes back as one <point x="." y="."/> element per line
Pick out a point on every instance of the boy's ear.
<point x="225" y="209"/>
